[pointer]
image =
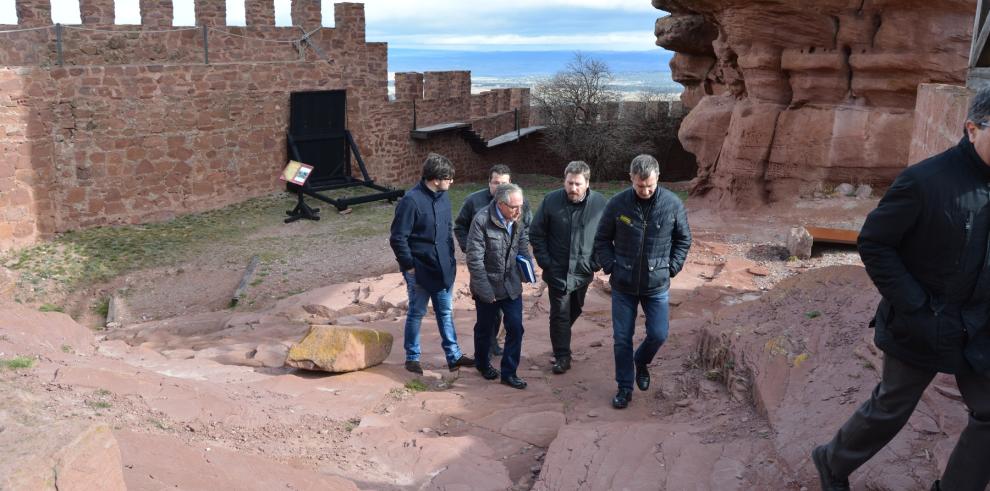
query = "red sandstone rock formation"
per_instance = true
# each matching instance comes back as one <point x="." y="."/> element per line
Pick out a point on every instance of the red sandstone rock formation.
<point x="786" y="95"/>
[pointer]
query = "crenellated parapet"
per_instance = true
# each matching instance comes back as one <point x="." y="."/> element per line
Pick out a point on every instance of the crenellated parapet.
<point x="157" y="14"/>
<point x="260" y="12"/>
<point x="349" y="20"/>
<point x="446" y="85"/>
<point x="32" y="13"/>
<point x="96" y="12"/>
<point x="408" y="86"/>
<point x="211" y="13"/>
<point x="519" y="97"/>
<point x="307" y="13"/>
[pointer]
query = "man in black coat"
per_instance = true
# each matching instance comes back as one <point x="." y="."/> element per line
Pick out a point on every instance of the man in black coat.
<point x="498" y="175"/>
<point x="563" y="239"/>
<point x="423" y="244"/>
<point x="925" y="248"/>
<point x="642" y="242"/>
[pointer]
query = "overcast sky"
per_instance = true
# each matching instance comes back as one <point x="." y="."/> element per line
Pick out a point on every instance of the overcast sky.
<point x="591" y="25"/>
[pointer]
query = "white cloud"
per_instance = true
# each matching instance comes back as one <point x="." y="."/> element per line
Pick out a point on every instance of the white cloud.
<point x="183" y="13"/>
<point x="127" y="12"/>
<point x="384" y="10"/>
<point x="617" y="41"/>
<point x="65" y="12"/>
<point x="236" y="16"/>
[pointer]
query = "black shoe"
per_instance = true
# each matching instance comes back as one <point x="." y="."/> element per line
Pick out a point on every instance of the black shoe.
<point x="514" y="382"/>
<point x="936" y="486"/>
<point x="463" y="361"/>
<point x="829" y="482"/>
<point x="496" y="350"/>
<point x="489" y="372"/>
<point x="414" y="367"/>
<point x="561" y="364"/>
<point x="642" y="377"/>
<point x="622" y="398"/>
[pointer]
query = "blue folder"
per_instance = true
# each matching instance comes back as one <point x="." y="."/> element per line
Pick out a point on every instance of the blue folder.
<point x="526" y="269"/>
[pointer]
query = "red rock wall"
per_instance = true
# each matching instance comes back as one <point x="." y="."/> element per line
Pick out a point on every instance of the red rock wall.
<point x="134" y="127"/>
<point x="786" y="95"/>
<point x="939" y="117"/>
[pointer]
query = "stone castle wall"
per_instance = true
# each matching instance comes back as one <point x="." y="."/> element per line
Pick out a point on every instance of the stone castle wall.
<point x="134" y="126"/>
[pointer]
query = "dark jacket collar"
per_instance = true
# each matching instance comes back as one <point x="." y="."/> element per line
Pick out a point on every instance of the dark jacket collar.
<point x="973" y="158"/>
<point x="633" y="197"/>
<point x="429" y="192"/>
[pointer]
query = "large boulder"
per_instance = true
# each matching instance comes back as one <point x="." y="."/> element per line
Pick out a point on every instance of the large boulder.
<point x="340" y="349"/>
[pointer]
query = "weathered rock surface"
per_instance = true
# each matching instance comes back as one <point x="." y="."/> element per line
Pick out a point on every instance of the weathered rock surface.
<point x="27" y="332"/>
<point x="340" y="349"/>
<point x="589" y="457"/>
<point x="808" y="370"/>
<point x="805" y="92"/>
<point x="161" y="463"/>
<point x="42" y="454"/>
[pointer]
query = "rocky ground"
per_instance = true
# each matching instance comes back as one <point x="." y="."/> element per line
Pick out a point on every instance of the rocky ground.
<point x="766" y="357"/>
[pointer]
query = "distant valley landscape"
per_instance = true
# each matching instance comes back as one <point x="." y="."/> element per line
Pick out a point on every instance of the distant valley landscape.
<point x="635" y="72"/>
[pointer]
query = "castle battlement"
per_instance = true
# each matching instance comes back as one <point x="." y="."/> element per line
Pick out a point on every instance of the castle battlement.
<point x="158" y="13"/>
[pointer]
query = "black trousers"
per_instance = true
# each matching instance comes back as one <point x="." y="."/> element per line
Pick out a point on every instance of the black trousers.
<point x="565" y="307"/>
<point x="880" y="418"/>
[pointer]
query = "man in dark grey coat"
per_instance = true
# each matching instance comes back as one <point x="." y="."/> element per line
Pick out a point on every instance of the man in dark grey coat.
<point x="498" y="175"/>
<point x="563" y="238"/>
<point x="494" y="242"/>
<point x="925" y="248"/>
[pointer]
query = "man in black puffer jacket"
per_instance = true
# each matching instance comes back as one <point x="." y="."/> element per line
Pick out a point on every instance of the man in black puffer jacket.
<point x="563" y="238"/>
<point x="642" y="241"/>
<point x="925" y="248"/>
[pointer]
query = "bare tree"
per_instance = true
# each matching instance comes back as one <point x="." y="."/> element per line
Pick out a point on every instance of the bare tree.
<point x="586" y="121"/>
<point x="571" y="104"/>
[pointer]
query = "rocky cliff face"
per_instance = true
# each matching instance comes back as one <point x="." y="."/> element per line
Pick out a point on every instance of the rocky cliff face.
<point x="786" y="95"/>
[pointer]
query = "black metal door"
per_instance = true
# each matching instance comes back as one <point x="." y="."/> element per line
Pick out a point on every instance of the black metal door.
<point x="317" y="122"/>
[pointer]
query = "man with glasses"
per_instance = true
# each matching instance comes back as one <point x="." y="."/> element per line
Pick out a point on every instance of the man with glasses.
<point x="423" y="244"/>
<point x="642" y="242"/>
<point x="925" y="248"/>
<point x="498" y="175"/>
<point x="495" y="240"/>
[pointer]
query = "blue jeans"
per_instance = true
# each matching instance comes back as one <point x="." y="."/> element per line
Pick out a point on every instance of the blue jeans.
<point x="444" y="309"/>
<point x="624" y="324"/>
<point x="487" y="325"/>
